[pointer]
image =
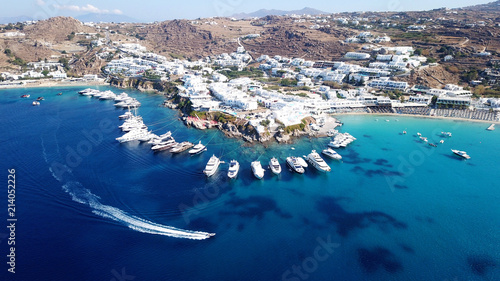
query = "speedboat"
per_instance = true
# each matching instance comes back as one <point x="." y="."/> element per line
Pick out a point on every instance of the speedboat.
<point x="212" y="166"/>
<point x="332" y="154"/>
<point x="35" y="103"/>
<point x="441" y="141"/>
<point x="293" y="163"/>
<point x="318" y="162"/>
<point x="121" y="97"/>
<point x="462" y="154"/>
<point x="419" y="134"/>
<point x="432" y="144"/>
<point x="275" y="166"/>
<point x="59" y="94"/>
<point x="404" y="132"/>
<point x="197" y="149"/>
<point x="234" y="167"/>
<point x="257" y="169"/>
<point x="85" y="91"/>
<point x="302" y="162"/>
<point x="108" y="95"/>
<point x="40" y="99"/>
<point x="25" y="96"/>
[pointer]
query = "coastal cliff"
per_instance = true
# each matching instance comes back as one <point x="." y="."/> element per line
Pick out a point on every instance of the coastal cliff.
<point x="145" y="85"/>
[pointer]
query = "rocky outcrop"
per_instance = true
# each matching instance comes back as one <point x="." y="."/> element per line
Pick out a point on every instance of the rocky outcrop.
<point x="145" y="85"/>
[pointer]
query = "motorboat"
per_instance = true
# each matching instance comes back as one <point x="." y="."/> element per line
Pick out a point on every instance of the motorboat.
<point x="25" y="96"/>
<point x="234" y="168"/>
<point x="122" y="97"/>
<point x="155" y="140"/>
<point x="432" y="144"/>
<point x="491" y="127"/>
<point x="302" y="162"/>
<point x="404" y="132"/>
<point x="318" y="162"/>
<point x="446" y="134"/>
<point x="334" y="144"/>
<point x="108" y="95"/>
<point x="40" y="99"/>
<point x="332" y="154"/>
<point x="35" y="103"/>
<point x="293" y="163"/>
<point x="197" y="149"/>
<point x="212" y="166"/>
<point x="59" y="94"/>
<point x="275" y="166"/>
<point x="462" y="154"/>
<point x="257" y="170"/>
<point x="441" y="141"/>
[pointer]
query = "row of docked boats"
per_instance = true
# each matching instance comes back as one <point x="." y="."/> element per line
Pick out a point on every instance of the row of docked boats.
<point x="296" y="164"/>
<point x="341" y="140"/>
<point x="136" y="130"/>
<point x="122" y="100"/>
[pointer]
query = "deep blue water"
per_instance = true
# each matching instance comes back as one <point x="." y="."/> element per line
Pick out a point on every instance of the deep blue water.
<point x="393" y="209"/>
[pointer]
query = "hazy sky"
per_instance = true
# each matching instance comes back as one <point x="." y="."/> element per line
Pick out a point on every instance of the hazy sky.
<point x="152" y="10"/>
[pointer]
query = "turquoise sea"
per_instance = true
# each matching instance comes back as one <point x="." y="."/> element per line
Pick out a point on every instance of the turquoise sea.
<point x="395" y="208"/>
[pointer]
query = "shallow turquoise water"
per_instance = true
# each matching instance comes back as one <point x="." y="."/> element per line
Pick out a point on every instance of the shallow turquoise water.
<point x="393" y="209"/>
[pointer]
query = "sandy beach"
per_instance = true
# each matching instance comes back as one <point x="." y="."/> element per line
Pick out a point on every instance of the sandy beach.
<point x="51" y="83"/>
<point x="419" y="116"/>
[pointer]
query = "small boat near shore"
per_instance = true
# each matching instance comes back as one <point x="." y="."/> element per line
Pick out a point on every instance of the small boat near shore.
<point x="234" y="168"/>
<point x="40" y="99"/>
<point x="25" y="96"/>
<point x="35" y="103"/>
<point x="302" y="162"/>
<point x="257" y="170"/>
<point x="275" y="166"/>
<point x="491" y="127"/>
<point x="462" y="154"/>
<point x="446" y="134"/>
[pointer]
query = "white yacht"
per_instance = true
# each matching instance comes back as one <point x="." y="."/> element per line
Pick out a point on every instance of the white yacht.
<point x="197" y="149"/>
<point x="234" y="167"/>
<point x="334" y="144"/>
<point x="275" y="166"/>
<point x="293" y="163"/>
<point x="133" y="135"/>
<point x="302" y="162"/>
<point x="212" y="166"/>
<point x="108" y="95"/>
<point x="462" y="154"/>
<point x="318" y="162"/>
<point x="168" y="144"/>
<point x="88" y="92"/>
<point x="155" y="140"/>
<point x="332" y="154"/>
<point x="146" y="137"/>
<point x="257" y="170"/>
<point x="122" y="97"/>
<point x="126" y="115"/>
<point x="181" y="147"/>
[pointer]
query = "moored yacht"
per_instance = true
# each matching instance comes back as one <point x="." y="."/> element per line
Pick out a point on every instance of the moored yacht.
<point x="332" y="154"/>
<point x="302" y="162"/>
<point x="183" y="146"/>
<point x="275" y="166"/>
<point x="234" y="167"/>
<point x="212" y="166"/>
<point x="462" y="154"/>
<point x="168" y="144"/>
<point x="318" y="162"/>
<point x="257" y="170"/>
<point x="293" y="163"/>
<point x="197" y="149"/>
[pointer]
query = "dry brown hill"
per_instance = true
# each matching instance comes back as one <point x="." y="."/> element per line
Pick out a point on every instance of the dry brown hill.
<point x="55" y="30"/>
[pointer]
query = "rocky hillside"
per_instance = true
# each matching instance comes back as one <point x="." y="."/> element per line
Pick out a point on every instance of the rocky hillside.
<point x="55" y="30"/>
<point x="180" y="38"/>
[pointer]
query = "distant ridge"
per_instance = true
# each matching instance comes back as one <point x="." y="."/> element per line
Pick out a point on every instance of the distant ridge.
<point x="492" y="6"/>
<point x="263" y="12"/>
<point x="106" y="18"/>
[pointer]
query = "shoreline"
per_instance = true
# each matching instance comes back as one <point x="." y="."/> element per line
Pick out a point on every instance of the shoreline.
<point x="420" y="116"/>
<point x="53" y="84"/>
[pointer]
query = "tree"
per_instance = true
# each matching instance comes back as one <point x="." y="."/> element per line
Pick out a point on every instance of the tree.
<point x="479" y="90"/>
<point x="45" y="72"/>
<point x="71" y="36"/>
<point x="8" y="52"/>
<point x="265" y="122"/>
